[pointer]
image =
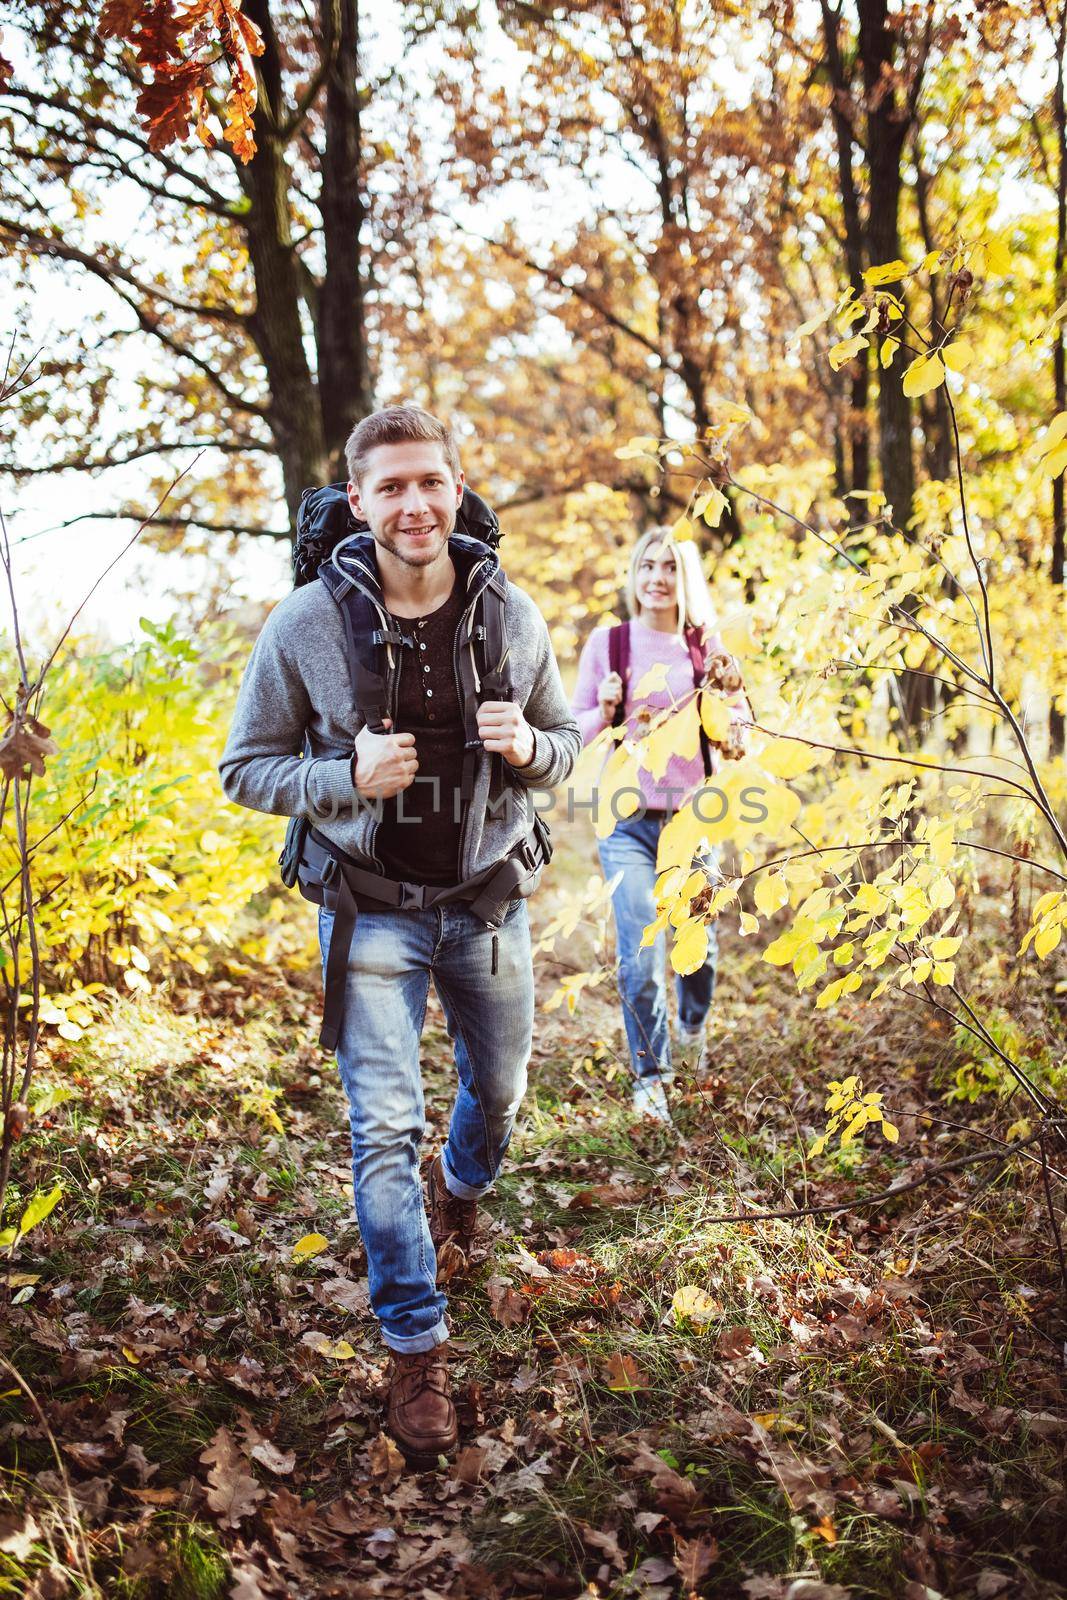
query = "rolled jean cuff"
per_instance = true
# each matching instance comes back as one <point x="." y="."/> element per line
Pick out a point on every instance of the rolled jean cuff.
<point x="456" y="1186"/>
<point x="416" y="1342"/>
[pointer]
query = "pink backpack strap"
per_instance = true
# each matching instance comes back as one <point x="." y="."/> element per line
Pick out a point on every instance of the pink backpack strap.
<point x="619" y="661"/>
<point x="694" y="639"/>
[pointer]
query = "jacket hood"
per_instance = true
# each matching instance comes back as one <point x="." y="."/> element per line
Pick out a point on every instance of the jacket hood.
<point x="356" y="559"/>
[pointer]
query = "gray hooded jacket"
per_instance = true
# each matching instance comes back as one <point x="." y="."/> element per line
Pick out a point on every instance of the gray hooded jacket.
<point x="296" y="684"/>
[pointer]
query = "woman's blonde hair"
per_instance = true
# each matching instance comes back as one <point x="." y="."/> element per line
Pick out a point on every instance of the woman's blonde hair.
<point x="695" y="608"/>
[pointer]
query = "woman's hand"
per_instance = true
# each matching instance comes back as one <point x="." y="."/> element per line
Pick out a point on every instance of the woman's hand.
<point x="608" y="695"/>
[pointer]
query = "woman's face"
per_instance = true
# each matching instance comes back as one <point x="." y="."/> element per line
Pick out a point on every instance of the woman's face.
<point x="656" y="580"/>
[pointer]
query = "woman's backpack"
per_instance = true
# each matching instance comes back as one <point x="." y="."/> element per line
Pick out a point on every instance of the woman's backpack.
<point x="619" y="661"/>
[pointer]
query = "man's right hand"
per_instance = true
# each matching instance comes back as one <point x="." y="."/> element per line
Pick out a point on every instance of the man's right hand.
<point x="384" y="763"/>
<point x="609" y="694"/>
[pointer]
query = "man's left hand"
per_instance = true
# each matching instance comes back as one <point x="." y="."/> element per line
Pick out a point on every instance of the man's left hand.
<point x="504" y="731"/>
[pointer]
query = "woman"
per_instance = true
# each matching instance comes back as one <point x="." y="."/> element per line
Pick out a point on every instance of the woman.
<point x="671" y="624"/>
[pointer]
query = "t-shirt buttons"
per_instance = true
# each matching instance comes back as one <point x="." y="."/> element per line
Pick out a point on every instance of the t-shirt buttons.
<point x="425" y="669"/>
<point x="429" y="694"/>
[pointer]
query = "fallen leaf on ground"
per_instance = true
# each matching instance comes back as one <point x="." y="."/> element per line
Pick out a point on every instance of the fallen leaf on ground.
<point x="232" y="1493"/>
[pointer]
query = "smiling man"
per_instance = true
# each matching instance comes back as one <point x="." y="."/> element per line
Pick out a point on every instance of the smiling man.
<point x="418" y="823"/>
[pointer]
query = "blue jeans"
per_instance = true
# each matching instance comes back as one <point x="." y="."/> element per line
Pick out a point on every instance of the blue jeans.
<point x="490" y="1022"/>
<point x="631" y="849"/>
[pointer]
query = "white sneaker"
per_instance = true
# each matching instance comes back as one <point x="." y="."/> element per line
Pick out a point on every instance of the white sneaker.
<point x="650" y="1099"/>
<point x="694" y="1046"/>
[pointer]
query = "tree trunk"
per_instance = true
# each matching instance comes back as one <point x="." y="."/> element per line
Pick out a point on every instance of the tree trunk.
<point x="887" y="128"/>
<point x="277" y="325"/>
<point x="1059" y="363"/>
<point x="345" y="390"/>
<point x="858" y="465"/>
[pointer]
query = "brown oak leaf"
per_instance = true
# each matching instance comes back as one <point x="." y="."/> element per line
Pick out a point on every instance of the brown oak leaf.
<point x="232" y="1493"/>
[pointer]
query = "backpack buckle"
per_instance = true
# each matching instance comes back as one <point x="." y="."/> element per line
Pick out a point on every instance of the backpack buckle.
<point x="412" y="897"/>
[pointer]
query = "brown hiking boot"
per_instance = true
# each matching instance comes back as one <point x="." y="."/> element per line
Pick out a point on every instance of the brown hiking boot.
<point x="420" y="1414"/>
<point x="452" y="1225"/>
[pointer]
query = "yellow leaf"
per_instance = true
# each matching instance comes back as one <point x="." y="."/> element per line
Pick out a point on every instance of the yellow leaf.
<point x="941" y="949"/>
<point x="887" y="272"/>
<point x="339" y="1350"/>
<point x="892" y="1133"/>
<point x="957" y="356"/>
<point x="714" y="716"/>
<point x="694" y="1304"/>
<point x="890" y="346"/>
<point x="846" y="349"/>
<point x="997" y="256"/>
<point x="642" y="445"/>
<point x="652" y="681"/>
<point x="747" y="922"/>
<point x="925" y="373"/>
<point x="678" y="735"/>
<point x="39" y="1208"/>
<point x="618" y="792"/>
<point x="1056" y="431"/>
<point x="770" y="893"/>
<point x="716" y="505"/>
<point x="780" y="952"/>
<point x="682" y="530"/>
<point x="1047" y="940"/>
<point x="312" y="1244"/>
<point x="690" y="949"/>
<point x="787" y="758"/>
<point x="813" y="323"/>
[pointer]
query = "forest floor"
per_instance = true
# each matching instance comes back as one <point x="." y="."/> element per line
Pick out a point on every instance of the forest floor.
<point x="870" y="1404"/>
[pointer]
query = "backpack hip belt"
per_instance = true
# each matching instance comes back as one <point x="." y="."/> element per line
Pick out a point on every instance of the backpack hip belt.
<point x="329" y="879"/>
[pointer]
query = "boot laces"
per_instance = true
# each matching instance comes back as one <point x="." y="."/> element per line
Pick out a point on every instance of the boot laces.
<point x="422" y="1372"/>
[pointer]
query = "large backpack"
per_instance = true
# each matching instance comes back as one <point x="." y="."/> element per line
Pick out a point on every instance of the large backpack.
<point x="619" y="661"/>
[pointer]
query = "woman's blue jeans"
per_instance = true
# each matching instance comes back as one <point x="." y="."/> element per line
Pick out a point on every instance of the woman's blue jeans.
<point x="490" y="1022"/>
<point x="631" y="849"/>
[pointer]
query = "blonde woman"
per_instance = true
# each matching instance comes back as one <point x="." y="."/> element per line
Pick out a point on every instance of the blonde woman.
<point x="671" y="624"/>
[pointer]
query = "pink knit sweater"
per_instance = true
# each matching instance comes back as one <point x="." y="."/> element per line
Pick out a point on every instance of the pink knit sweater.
<point x="647" y="646"/>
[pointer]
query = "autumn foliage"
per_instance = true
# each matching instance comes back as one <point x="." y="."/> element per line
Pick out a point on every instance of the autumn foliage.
<point x="180" y="46"/>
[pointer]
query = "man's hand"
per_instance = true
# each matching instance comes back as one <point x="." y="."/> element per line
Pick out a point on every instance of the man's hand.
<point x="504" y="731"/>
<point x="384" y="763"/>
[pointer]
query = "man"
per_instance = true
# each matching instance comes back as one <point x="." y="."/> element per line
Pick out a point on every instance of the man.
<point x="403" y="803"/>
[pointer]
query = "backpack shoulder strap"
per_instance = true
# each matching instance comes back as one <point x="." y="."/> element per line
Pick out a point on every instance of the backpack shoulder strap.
<point x="694" y="639"/>
<point x="619" y="661"/>
<point x="493" y="634"/>
<point x="364" y="638"/>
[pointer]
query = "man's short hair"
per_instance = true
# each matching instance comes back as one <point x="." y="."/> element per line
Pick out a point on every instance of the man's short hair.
<point x="397" y="425"/>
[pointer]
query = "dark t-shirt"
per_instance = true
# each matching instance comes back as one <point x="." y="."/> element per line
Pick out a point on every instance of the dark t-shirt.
<point x="418" y="837"/>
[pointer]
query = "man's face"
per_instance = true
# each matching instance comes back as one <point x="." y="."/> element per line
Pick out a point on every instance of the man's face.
<point x="409" y="499"/>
